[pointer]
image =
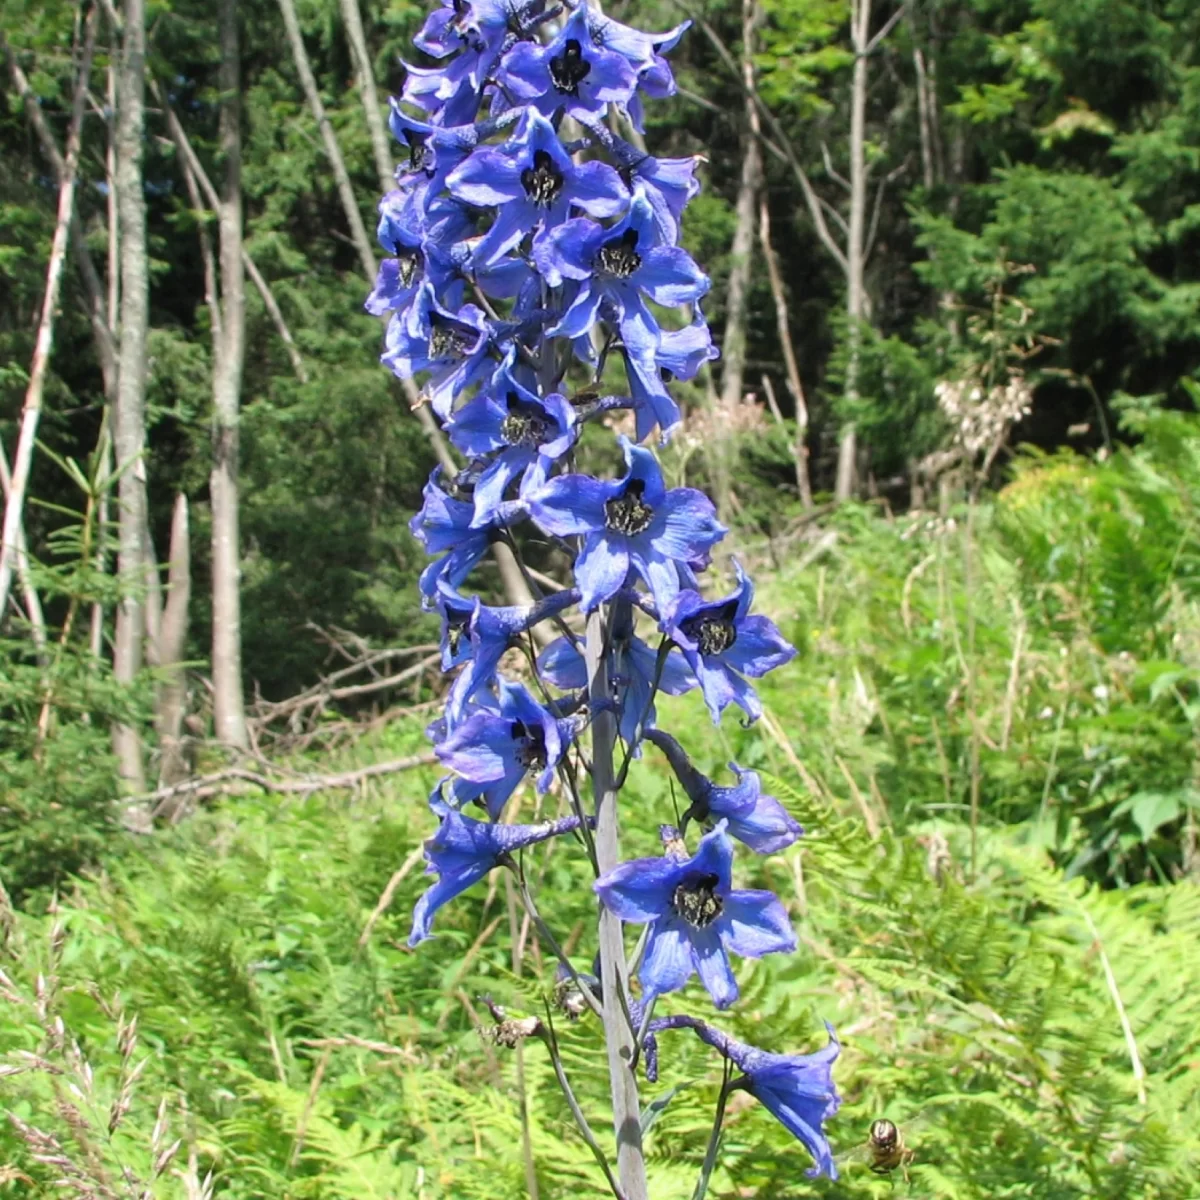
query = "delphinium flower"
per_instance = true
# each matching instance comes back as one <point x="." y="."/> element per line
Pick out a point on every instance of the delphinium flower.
<point x="629" y="524"/>
<point x="696" y="917"/>
<point x="463" y="851"/>
<point x="723" y="643"/>
<point x="797" y="1089"/>
<point x="750" y="815"/>
<point x="533" y="183"/>
<point x="531" y="251"/>
<point x="522" y="432"/>
<point x="495" y="751"/>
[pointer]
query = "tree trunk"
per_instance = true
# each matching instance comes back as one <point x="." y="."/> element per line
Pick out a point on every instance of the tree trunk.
<point x="171" y="645"/>
<point x="12" y="540"/>
<point x="381" y="145"/>
<point x="860" y="25"/>
<point x="129" y="435"/>
<point x="795" y="386"/>
<point x="733" y="342"/>
<point x="229" y="344"/>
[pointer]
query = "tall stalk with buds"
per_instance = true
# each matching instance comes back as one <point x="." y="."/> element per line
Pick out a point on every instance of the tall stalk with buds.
<point x="524" y="241"/>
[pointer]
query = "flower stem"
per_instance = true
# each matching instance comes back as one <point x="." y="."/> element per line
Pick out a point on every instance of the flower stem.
<point x="552" y="942"/>
<point x="614" y="981"/>
<point x="714" y="1139"/>
<point x="548" y="1036"/>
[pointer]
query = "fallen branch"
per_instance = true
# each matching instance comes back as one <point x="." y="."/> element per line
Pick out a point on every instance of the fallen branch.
<point x="321" y="694"/>
<point x="241" y="779"/>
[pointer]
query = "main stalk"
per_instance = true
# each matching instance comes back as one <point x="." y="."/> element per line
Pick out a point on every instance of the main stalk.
<point x="614" y="977"/>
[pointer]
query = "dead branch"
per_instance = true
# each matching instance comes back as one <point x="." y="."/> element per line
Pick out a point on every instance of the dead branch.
<point x="321" y="694"/>
<point x="234" y="780"/>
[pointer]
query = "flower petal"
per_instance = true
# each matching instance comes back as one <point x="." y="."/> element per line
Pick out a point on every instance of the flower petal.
<point x="601" y="568"/>
<point x="668" y="962"/>
<point x="713" y="965"/>
<point x="754" y="923"/>
<point x="639" y="890"/>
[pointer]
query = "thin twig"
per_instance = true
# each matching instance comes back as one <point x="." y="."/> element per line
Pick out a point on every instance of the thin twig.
<point x="1139" y="1072"/>
<point x="385" y="898"/>
<point x="217" y="783"/>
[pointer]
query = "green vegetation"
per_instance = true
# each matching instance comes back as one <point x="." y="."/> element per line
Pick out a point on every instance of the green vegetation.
<point x="975" y="1002"/>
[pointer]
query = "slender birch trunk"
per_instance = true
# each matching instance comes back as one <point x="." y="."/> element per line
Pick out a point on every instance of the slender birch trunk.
<point x="33" y="602"/>
<point x="860" y="26"/>
<point x="12" y="541"/>
<point x="172" y="642"/>
<point x="229" y="710"/>
<point x="129" y="435"/>
<point x="733" y="342"/>
<point x="783" y="326"/>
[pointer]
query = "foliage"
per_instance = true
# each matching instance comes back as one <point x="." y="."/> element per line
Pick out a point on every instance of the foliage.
<point x="977" y="1014"/>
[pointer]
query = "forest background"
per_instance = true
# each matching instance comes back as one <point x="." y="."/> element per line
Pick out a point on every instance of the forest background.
<point x="955" y="247"/>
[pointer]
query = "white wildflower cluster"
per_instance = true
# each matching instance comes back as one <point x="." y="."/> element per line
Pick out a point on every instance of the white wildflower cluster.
<point x="982" y="417"/>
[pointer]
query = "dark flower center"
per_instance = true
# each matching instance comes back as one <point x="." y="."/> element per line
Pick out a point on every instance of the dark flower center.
<point x="569" y="69"/>
<point x="696" y="901"/>
<point x="525" y="425"/>
<point x="628" y="513"/>
<point x="619" y="257"/>
<point x="456" y="626"/>
<point x="418" y="153"/>
<point x="407" y="261"/>
<point x="543" y="181"/>
<point x="713" y="636"/>
<point x="449" y="339"/>
<point x="531" y="745"/>
<point x="713" y="632"/>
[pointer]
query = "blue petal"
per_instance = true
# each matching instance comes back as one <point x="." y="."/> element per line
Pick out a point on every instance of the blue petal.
<point x="562" y="665"/>
<point x="571" y="504"/>
<point x="487" y="179"/>
<point x="640" y="890"/>
<point x="601" y="568"/>
<point x="670" y="277"/>
<point x="712" y="963"/>
<point x="754" y="923"/>
<point x="667" y="964"/>
<point x="481" y="749"/>
<point x="758" y="648"/>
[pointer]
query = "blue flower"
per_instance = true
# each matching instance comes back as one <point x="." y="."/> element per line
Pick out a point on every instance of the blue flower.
<point x="571" y="74"/>
<point x="454" y="346"/>
<point x="476" y="34"/>
<point x="679" y="355"/>
<point x="524" y="431"/>
<point x="495" y="751"/>
<point x="463" y="851"/>
<point x="614" y="267"/>
<point x="533" y="183"/>
<point x="490" y="631"/>
<point x="629" y="523"/>
<point x="697" y="920"/>
<point x="722" y="644"/>
<point x="752" y="817"/>
<point x="444" y="524"/>
<point x="797" y="1089"/>
<point x="632" y="668"/>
